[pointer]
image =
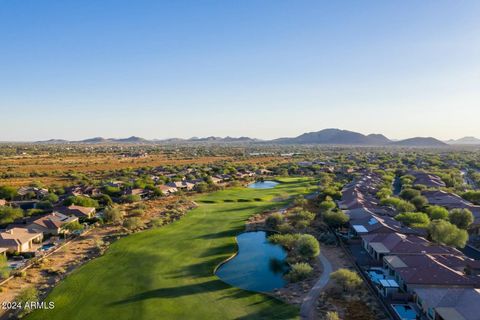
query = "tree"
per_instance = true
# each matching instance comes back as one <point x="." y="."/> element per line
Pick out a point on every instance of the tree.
<point x="4" y="268"/>
<point x="274" y="220"/>
<point x="414" y="219"/>
<point x="300" y="201"/>
<point x="437" y="212"/>
<point x="348" y="280"/>
<point x="73" y="226"/>
<point x="409" y="194"/>
<point x="201" y="187"/>
<point x="419" y="202"/>
<point x="327" y="205"/>
<point x="7" y="193"/>
<point x="462" y="218"/>
<point x="335" y="219"/>
<point x="51" y="197"/>
<point x="444" y="232"/>
<point x="81" y="201"/>
<point x="113" y="215"/>
<point x="307" y="246"/>
<point x="104" y="200"/>
<point x="9" y="214"/>
<point x="405" y="206"/>
<point x="472" y="196"/>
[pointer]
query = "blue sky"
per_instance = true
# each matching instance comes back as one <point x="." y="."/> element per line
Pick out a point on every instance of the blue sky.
<point x="265" y="68"/>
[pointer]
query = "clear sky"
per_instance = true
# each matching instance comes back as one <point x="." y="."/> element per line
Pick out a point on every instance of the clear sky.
<point x="264" y="68"/>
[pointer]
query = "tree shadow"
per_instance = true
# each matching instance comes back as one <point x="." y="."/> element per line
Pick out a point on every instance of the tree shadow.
<point x="222" y="234"/>
<point x="174" y="292"/>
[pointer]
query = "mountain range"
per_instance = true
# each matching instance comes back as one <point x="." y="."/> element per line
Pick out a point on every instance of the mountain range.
<point x="322" y="137"/>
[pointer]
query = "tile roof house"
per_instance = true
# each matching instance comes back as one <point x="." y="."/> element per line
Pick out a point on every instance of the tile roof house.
<point x="78" y="211"/>
<point x="52" y="223"/>
<point x="19" y="239"/>
<point x="181" y="185"/>
<point x="427" y="179"/>
<point x="449" y="303"/>
<point x="379" y="245"/>
<point x="167" y="190"/>
<point x="421" y="270"/>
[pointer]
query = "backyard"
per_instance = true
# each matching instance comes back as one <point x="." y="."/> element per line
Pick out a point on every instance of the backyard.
<point x="167" y="272"/>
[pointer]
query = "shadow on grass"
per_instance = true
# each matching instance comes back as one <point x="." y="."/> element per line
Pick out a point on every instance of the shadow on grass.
<point x="214" y="251"/>
<point x="174" y="292"/>
<point x="222" y="234"/>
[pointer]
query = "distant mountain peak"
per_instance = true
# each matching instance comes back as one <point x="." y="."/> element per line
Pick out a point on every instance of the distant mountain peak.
<point x="335" y="136"/>
<point x="420" y="142"/>
<point x="469" y="140"/>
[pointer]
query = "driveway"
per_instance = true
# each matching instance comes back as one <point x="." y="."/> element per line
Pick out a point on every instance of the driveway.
<point x="309" y="302"/>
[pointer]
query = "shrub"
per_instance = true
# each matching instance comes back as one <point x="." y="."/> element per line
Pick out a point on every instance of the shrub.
<point x="307" y="246"/>
<point x="112" y="215"/>
<point x="25" y="296"/>
<point x="133" y="223"/>
<point x="156" y="222"/>
<point x="299" y="271"/>
<point x="274" y="220"/>
<point x="287" y="241"/>
<point x="131" y="198"/>
<point x="335" y="219"/>
<point x="332" y="315"/>
<point x="137" y="212"/>
<point x="348" y="280"/>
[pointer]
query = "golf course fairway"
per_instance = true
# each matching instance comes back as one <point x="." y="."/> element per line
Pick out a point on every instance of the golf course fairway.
<point x="167" y="272"/>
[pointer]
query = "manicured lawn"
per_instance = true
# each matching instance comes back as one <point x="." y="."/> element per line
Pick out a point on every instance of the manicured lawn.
<point x="167" y="273"/>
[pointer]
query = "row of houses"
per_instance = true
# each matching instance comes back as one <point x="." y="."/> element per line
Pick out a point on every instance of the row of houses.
<point x="427" y="179"/>
<point x="417" y="279"/>
<point x="28" y="236"/>
<point x="453" y="201"/>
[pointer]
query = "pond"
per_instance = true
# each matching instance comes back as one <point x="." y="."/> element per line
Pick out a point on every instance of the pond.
<point x="259" y="265"/>
<point x="263" y="185"/>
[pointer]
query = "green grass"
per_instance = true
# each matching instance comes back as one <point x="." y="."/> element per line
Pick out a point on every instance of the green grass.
<point x="167" y="273"/>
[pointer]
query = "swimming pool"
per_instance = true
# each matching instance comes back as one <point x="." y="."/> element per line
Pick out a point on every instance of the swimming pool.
<point x="405" y="312"/>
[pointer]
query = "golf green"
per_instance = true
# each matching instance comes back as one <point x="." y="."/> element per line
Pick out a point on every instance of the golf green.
<point x="167" y="272"/>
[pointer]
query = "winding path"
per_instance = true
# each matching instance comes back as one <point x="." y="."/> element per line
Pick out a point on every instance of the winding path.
<point x="308" y="304"/>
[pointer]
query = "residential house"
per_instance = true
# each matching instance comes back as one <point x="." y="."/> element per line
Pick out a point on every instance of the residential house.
<point x="449" y="303"/>
<point x="32" y="192"/>
<point x="182" y="185"/>
<point x="379" y="245"/>
<point x="52" y="223"/>
<point x="413" y="271"/>
<point x="78" y="211"/>
<point x="20" y="239"/>
<point x="427" y="179"/>
<point x="167" y="190"/>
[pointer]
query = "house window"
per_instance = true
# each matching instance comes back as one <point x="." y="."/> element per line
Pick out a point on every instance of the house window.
<point x="431" y="313"/>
